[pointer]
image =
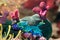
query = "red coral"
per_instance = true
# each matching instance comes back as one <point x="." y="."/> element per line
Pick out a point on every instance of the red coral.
<point x="32" y="3"/>
<point x="51" y="3"/>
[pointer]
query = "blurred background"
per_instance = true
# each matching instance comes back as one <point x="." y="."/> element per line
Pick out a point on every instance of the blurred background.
<point x="25" y="9"/>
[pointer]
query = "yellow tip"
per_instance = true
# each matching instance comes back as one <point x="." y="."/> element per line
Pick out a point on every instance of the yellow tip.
<point x="0" y="24"/>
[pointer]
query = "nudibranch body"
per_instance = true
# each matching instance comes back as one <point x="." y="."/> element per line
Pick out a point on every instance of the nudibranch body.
<point x="26" y="28"/>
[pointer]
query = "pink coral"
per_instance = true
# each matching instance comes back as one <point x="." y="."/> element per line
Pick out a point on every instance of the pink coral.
<point x="41" y="9"/>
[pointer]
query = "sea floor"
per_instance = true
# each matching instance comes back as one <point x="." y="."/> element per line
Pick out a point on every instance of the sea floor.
<point x="55" y="29"/>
